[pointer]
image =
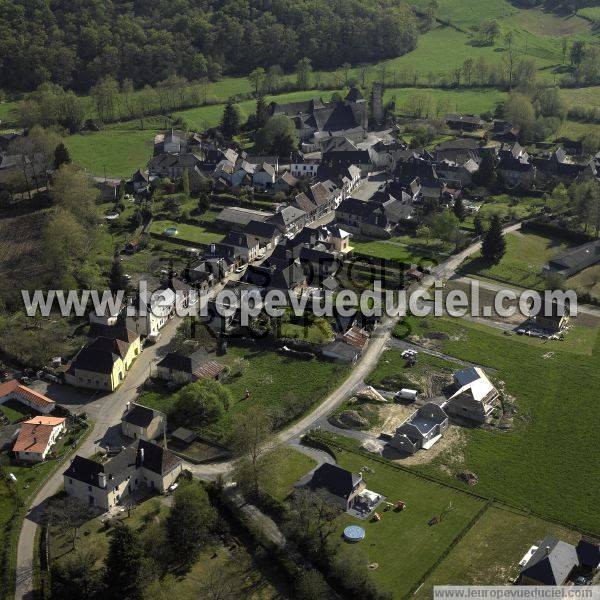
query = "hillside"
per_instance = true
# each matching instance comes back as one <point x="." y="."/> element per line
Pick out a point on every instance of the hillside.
<point x="76" y="44"/>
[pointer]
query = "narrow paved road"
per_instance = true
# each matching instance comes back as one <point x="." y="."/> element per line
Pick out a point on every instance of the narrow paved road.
<point x="113" y="406"/>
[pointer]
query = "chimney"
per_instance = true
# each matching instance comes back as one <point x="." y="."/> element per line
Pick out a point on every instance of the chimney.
<point x="102" y="480"/>
<point x="547" y="550"/>
<point x="141" y="456"/>
<point x="127" y="407"/>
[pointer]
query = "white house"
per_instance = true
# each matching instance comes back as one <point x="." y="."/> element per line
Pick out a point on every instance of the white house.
<point x="306" y="166"/>
<point x="36" y="438"/>
<point x="13" y="390"/>
<point x="474" y="396"/>
<point x="152" y="312"/>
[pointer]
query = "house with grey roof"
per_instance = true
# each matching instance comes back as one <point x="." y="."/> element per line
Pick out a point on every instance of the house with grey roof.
<point x="551" y="562"/>
<point x="263" y="177"/>
<point x="340" y="485"/>
<point x="347" y="117"/>
<point x="474" y="395"/>
<point x="289" y="220"/>
<point x="421" y="430"/>
<point x="104" y="485"/>
<point x="183" y="369"/>
<point x="237" y="217"/>
<point x="265" y="234"/>
<point x="574" y="260"/>
<point x="142" y="423"/>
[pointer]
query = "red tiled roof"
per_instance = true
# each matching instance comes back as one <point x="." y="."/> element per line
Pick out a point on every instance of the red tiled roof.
<point x="356" y="337"/>
<point x="35" y="434"/>
<point x="8" y="387"/>
<point x="209" y="370"/>
<point x="22" y="392"/>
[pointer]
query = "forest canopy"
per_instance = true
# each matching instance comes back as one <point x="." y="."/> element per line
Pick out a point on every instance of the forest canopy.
<point x="74" y="43"/>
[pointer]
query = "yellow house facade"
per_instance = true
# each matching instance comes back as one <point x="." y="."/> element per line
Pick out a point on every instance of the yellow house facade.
<point x="104" y="362"/>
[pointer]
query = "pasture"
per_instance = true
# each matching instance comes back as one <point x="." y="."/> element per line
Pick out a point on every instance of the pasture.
<point x="286" y="386"/>
<point x="526" y="254"/>
<point x="190" y="234"/>
<point x="489" y="553"/>
<point x="114" y="151"/>
<point x="527" y="465"/>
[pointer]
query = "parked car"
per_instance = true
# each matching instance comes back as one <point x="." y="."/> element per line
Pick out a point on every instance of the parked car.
<point x="581" y="580"/>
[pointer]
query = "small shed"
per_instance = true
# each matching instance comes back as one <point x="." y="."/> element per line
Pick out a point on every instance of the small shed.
<point x="183" y="436"/>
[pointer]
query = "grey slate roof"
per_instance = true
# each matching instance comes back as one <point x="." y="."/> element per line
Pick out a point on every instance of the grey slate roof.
<point x="335" y="480"/>
<point x="552" y="562"/>
<point x="140" y="416"/>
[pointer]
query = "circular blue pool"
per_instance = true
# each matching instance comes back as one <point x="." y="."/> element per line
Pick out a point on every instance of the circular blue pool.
<point x="354" y="533"/>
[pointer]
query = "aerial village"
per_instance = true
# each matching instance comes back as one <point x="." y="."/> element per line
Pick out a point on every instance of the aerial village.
<point x="386" y="436"/>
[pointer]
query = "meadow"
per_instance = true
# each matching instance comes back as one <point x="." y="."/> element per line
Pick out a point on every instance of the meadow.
<point x="285" y="386"/>
<point x="526" y="254"/>
<point x="489" y="553"/>
<point x="191" y="234"/>
<point x="528" y="465"/>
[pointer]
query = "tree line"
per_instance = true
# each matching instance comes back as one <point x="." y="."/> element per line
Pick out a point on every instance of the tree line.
<point x="76" y="44"/>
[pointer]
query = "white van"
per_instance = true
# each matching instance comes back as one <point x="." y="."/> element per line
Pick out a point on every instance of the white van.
<point x="406" y="394"/>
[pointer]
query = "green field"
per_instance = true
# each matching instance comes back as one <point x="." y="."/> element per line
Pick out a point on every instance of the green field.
<point x="489" y="553"/>
<point x="402" y="248"/>
<point x="588" y="96"/>
<point x="526" y="254"/>
<point x="290" y="466"/>
<point x="472" y="101"/>
<point x="504" y="206"/>
<point x="587" y="280"/>
<point x="192" y="234"/>
<point x="402" y="543"/>
<point x="287" y="387"/>
<point x="591" y="13"/>
<point x="528" y="465"/>
<point x="114" y="152"/>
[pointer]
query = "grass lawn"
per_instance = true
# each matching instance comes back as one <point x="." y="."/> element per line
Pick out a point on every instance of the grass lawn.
<point x="113" y="151"/>
<point x="587" y="96"/>
<point x="392" y="374"/>
<point x="556" y="400"/>
<point x="391" y="249"/>
<point x="442" y="49"/>
<point x="290" y="466"/>
<point x="284" y="385"/>
<point x="14" y="411"/>
<point x="575" y="130"/>
<point x="403" y="544"/>
<point x="587" y="280"/>
<point x="489" y="553"/>
<point x="94" y="533"/>
<point x="6" y="116"/>
<point x="192" y="234"/>
<point x="473" y="101"/>
<point x="526" y="254"/>
<point x="503" y="206"/>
